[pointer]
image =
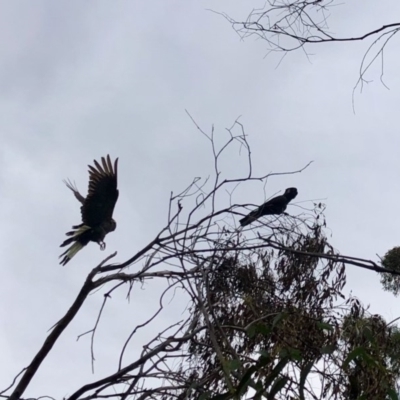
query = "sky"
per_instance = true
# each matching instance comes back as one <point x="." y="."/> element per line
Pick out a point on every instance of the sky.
<point x="80" y="80"/>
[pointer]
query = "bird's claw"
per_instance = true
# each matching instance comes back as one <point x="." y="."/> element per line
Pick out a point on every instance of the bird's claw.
<point x="102" y="246"/>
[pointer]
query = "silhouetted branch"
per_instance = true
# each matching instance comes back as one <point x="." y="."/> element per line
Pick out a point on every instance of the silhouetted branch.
<point x="288" y="26"/>
<point x="359" y="262"/>
<point x="55" y="334"/>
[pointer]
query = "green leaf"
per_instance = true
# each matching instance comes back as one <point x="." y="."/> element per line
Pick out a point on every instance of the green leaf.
<point x="247" y="377"/>
<point x="264" y="354"/>
<point x="255" y="329"/>
<point x="276" y="371"/>
<point x="324" y="325"/>
<point x="223" y="396"/>
<point x="251" y="331"/>
<point x="264" y="359"/>
<point x="303" y="376"/>
<point x="362" y="353"/>
<point x="260" y="391"/>
<point x="329" y="349"/>
<point x="233" y="365"/>
<point x="368" y="334"/>
<point x="371" y="361"/>
<point x="246" y="380"/>
<point x="357" y="352"/>
<point x="278" y="385"/>
<point x="278" y="319"/>
<point x="392" y="394"/>
<point x="258" y="386"/>
<point x="264" y="329"/>
<point x="294" y="354"/>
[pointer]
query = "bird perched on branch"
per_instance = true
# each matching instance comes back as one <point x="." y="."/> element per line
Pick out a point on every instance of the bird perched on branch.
<point x="276" y="205"/>
<point x="96" y="210"/>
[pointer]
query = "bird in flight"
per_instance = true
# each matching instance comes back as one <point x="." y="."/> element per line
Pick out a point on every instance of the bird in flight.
<point x="96" y="210"/>
<point x="276" y="205"/>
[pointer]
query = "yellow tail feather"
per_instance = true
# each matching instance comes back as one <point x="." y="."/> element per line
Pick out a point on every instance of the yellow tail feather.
<point x="70" y="252"/>
<point x="80" y="230"/>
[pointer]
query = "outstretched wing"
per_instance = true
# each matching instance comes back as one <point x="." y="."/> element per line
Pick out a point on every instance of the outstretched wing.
<point x="99" y="204"/>
<point x="75" y="191"/>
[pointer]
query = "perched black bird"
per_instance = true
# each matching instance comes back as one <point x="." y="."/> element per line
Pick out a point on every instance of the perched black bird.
<point x="276" y="205"/>
<point x="97" y="208"/>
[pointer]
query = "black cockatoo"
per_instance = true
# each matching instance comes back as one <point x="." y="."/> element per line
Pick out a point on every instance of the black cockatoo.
<point x="276" y="205"/>
<point x="96" y="210"/>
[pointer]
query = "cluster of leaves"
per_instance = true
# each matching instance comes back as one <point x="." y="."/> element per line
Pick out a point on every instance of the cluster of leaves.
<point x="276" y="328"/>
<point x="391" y="260"/>
<point x="372" y="349"/>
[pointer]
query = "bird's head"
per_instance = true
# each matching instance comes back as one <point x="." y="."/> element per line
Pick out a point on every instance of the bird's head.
<point x="290" y="193"/>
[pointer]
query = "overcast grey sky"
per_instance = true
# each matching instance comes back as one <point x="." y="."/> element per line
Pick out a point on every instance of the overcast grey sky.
<point x="80" y="80"/>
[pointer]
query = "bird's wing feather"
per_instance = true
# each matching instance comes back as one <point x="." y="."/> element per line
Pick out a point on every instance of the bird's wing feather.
<point x="75" y="191"/>
<point x="274" y="206"/>
<point x="102" y="194"/>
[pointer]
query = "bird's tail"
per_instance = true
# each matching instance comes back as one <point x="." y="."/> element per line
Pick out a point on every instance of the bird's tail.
<point x="70" y="252"/>
<point x="79" y="229"/>
<point x="246" y="221"/>
<point x="76" y="246"/>
<point x="249" y="218"/>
